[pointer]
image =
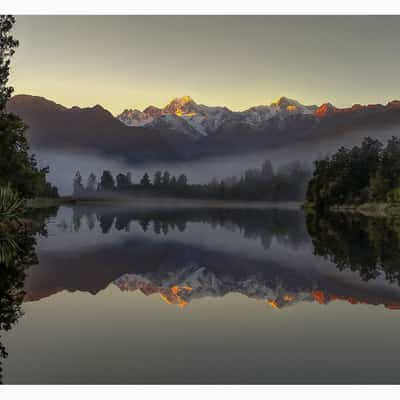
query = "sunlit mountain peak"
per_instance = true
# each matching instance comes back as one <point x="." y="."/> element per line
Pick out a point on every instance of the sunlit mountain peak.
<point x="325" y="109"/>
<point x="183" y="100"/>
<point x="181" y="106"/>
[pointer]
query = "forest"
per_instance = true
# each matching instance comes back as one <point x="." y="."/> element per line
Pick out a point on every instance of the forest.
<point x="288" y="183"/>
<point x="369" y="173"/>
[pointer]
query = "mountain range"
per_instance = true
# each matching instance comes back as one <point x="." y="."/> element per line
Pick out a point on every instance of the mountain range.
<point x="184" y="130"/>
<point x="197" y="120"/>
<point x="174" y="272"/>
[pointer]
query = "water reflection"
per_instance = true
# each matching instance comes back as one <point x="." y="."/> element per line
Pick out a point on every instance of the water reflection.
<point x="287" y="225"/>
<point x="202" y="296"/>
<point x="17" y="254"/>
<point x="187" y="254"/>
<point x="368" y="245"/>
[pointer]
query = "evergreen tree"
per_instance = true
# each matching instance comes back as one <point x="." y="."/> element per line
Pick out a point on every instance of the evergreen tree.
<point x="77" y="184"/>
<point x="123" y="182"/>
<point x="157" y="180"/>
<point x="107" y="182"/>
<point x="145" y="181"/>
<point x="166" y="178"/>
<point x="17" y="167"/>
<point x="267" y="171"/>
<point x="91" y="183"/>
<point x="182" y="181"/>
<point x="173" y="182"/>
<point x="390" y="164"/>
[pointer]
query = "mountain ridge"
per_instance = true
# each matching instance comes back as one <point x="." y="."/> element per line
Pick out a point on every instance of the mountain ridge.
<point x="184" y="130"/>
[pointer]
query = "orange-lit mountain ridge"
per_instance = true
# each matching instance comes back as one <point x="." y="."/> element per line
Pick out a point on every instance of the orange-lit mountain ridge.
<point x="201" y="283"/>
<point x="184" y="130"/>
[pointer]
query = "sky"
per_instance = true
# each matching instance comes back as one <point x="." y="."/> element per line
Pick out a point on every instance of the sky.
<point x="238" y="61"/>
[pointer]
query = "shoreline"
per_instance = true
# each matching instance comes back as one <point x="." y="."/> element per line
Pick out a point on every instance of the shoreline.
<point x="154" y="202"/>
<point x="367" y="209"/>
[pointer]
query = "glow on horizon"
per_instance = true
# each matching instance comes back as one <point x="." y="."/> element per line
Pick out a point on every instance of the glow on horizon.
<point x="239" y="62"/>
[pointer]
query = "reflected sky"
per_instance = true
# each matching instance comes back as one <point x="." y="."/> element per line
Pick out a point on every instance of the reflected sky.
<point x="122" y="295"/>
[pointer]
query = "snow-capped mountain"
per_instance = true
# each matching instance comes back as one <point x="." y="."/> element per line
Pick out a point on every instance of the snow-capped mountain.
<point x="195" y="282"/>
<point x="179" y="114"/>
<point x="171" y="123"/>
<point x="205" y="120"/>
<point x="135" y="118"/>
<point x="185" y="131"/>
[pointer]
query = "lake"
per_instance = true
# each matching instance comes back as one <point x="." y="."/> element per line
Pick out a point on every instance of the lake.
<point x="116" y="294"/>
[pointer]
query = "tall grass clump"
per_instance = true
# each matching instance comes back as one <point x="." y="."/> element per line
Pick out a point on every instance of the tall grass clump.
<point x="11" y="205"/>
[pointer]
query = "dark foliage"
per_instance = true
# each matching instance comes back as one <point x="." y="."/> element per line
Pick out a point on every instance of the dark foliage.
<point x="107" y="183"/>
<point x="17" y="254"/>
<point x="17" y="167"/>
<point x="366" y="173"/>
<point x="368" y="245"/>
<point x="287" y="184"/>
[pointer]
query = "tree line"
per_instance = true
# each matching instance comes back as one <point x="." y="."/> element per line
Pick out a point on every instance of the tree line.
<point x="288" y="183"/>
<point x="366" y="173"/>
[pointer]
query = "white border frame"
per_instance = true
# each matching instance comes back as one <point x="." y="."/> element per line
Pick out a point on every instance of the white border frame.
<point x="204" y="7"/>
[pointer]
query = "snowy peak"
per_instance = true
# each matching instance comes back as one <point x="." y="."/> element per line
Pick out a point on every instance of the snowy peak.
<point x="282" y="108"/>
<point x="201" y="119"/>
<point x="292" y="106"/>
<point x="152" y="111"/>
<point x="284" y="102"/>
<point x="325" y="109"/>
<point x="195" y="282"/>
<point x="134" y="118"/>
<point x="180" y="106"/>
<point x="205" y="120"/>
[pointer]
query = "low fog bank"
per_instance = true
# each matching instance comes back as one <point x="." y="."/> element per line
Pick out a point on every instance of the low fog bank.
<point x="126" y="202"/>
<point x="63" y="166"/>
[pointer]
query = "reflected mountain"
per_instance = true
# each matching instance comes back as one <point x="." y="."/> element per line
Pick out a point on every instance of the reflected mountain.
<point x="187" y="254"/>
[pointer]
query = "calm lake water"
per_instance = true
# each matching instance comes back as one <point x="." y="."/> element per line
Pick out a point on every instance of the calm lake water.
<point x="123" y="295"/>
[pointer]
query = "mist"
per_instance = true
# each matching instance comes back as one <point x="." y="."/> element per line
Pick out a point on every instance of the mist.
<point x="63" y="165"/>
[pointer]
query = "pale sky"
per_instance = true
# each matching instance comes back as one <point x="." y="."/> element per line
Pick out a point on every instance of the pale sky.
<point x="238" y="61"/>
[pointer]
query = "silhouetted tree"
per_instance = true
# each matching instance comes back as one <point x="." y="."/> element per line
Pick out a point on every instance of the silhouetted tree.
<point x="267" y="171"/>
<point x="123" y="182"/>
<point x="77" y="184"/>
<point x="144" y="223"/>
<point x="106" y="222"/>
<point x="288" y="183"/>
<point x="182" y="181"/>
<point x="17" y="167"/>
<point x="157" y="180"/>
<point x="166" y="178"/>
<point x="173" y="183"/>
<point x="91" y="183"/>
<point x="107" y="182"/>
<point x="145" y="181"/>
